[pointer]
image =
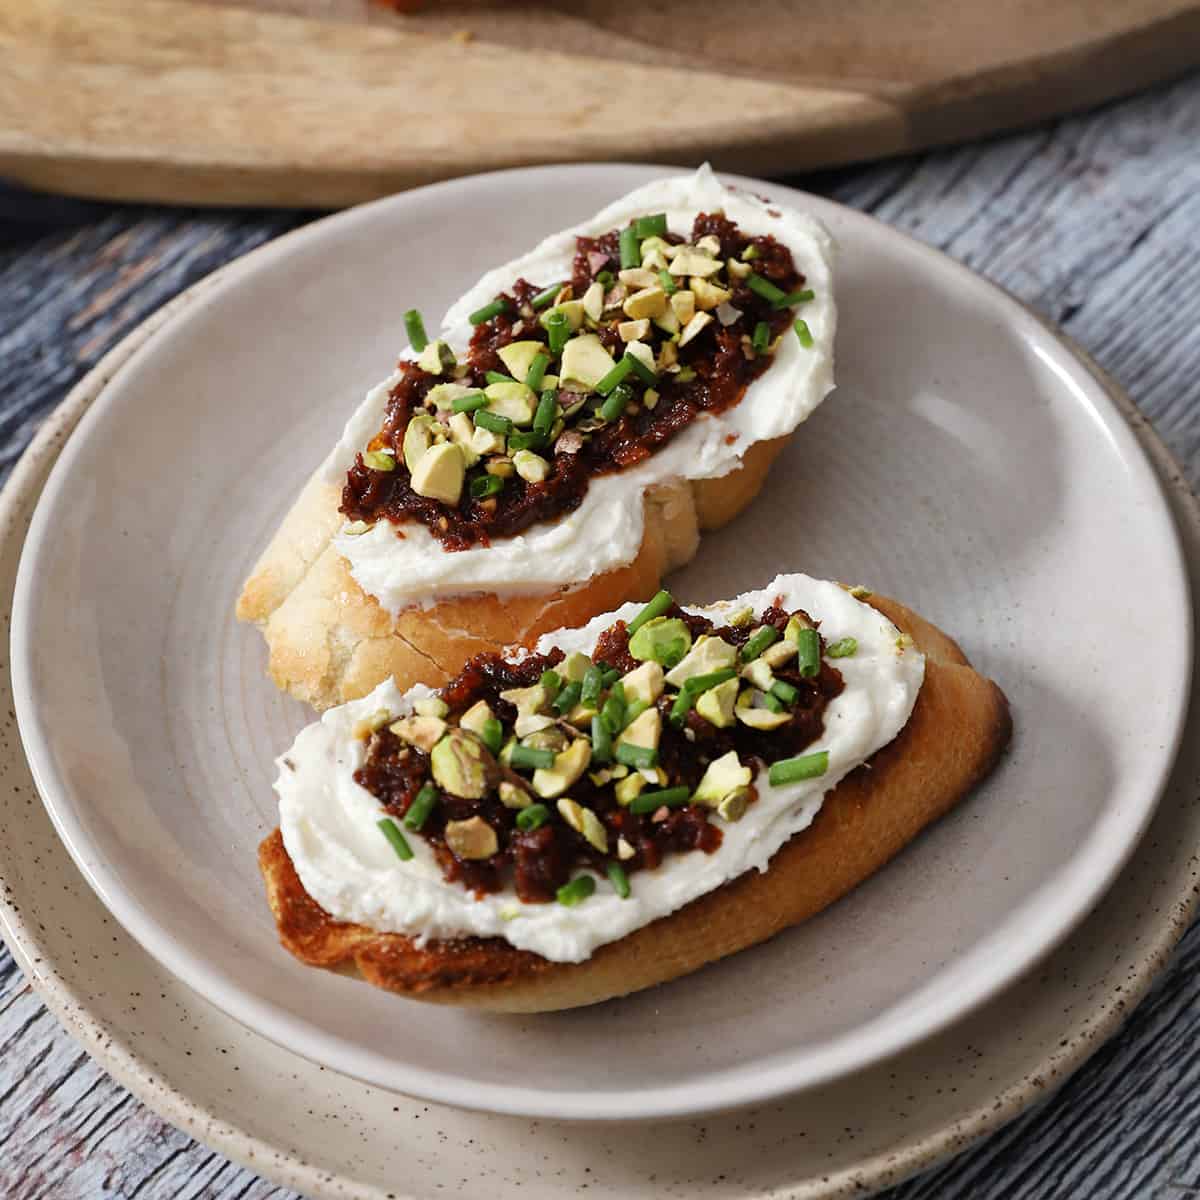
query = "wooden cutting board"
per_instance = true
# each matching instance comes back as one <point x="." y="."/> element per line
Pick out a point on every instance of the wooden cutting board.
<point x="329" y="102"/>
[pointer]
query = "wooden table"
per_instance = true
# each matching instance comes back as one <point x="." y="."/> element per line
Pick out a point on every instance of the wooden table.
<point x="1095" y="221"/>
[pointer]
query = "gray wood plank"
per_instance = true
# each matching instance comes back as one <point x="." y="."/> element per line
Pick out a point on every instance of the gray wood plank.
<point x="1092" y="220"/>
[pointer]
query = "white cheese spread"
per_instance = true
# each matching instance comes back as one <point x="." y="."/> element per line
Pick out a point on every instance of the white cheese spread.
<point x="330" y="829"/>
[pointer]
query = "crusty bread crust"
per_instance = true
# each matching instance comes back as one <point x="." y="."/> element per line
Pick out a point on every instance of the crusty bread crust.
<point x="957" y="730"/>
<point x="330" y="642"/>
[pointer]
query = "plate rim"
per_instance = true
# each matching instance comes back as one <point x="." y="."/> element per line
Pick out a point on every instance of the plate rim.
<point x="150" y="1083"/>
<point x="861" y="1049"/>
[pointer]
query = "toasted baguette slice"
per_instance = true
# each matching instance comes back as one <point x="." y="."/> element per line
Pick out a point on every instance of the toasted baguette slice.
<point x="330" y="642"/>
<point x="956" y="732"/>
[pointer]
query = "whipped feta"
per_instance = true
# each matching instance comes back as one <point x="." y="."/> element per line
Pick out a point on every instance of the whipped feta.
<point x="329" y="822"/>
<point x="605" y="531"/>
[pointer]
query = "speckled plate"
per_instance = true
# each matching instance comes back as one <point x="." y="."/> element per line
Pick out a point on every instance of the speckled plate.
<point x="328" y="1135"/>
<point x="964" y="464"/>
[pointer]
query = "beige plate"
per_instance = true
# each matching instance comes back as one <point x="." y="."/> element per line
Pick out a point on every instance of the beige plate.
<point x="329" y="1136"/>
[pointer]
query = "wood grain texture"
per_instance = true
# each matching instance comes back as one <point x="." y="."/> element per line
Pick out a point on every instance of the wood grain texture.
<point x="1092" y="220"/>
<point x="225" y="103"/>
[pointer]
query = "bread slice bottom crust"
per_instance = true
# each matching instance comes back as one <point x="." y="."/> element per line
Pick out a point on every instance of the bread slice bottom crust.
<point x="958" y="729"/>
<point x="330" y="642"/>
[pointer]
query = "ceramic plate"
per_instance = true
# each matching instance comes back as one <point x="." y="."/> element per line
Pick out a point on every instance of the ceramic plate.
<point x="968" y="463"/>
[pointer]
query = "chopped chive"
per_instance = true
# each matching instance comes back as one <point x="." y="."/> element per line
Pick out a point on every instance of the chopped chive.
<point x="654" y="225"/>
<point x="682" y="706"/>
<point x="545" y="298"/>
<point x="619" y="880"/>
<point x="493" y="422"/>
<point x="391" y="831"/>
<point x="615" y="376"/>
<point x="421" y="807"/>
<point x="530" y="757"/>
<point x="657" y="605"/>
<point x="636" y="756"/>
<point x="579" y="889"/>
<point x="552" y="681"/>
<point x="605" y="278"/>
<point x="558" y="330"/>
<point x="772" y="703"/>
<point x="768" y="635"/>
<point x="804" y="334"/>
<point x="525" y="441"/>
<point x="613" y="714"/>
<point x="646" y="374"/>
<point x="611" y="675"/>
<point x="593" y="684"/>
<point x="649" y="802"/>
<point x="601" y="740"/>
<point x="784" y="691"/>
<point x="415" y="328"/>
<point x="483" y="486"/>
<point x="668" y="282"/>
<point x="765" y="288"/>
<point x="379" y="460"/>
<point x="631" y="251"/>
<point x="633" y="710"/>
<point x="808" y="652"/>
<point x="492" y="733"/>
<point x="537" y="369"/>
<point x="793" y="770"/>
<point x="695" y="687"/>
<point x="761" y="338"/>
<point x="533" y="817"/>
<point x="614" y="406"/>
<point x="488" y="311"/>
<point x="568" y="698"/>
<point x="843" y="648"/>
<point x="801" y="297"/>
<point x="750" y="253"/>
<point x="468" y="403"/>
<point x="547" y="410"/>
<point x="498" y="377"/>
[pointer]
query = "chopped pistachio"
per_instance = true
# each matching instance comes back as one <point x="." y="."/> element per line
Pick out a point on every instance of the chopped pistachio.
<point x="716" y="705"/>
<point x="436" y="358"/>
<point x="759" y="674"/>
<point x="372" y="724"/>
<point x="549" y="737"/>
<point x="644" y="682"/>
<point x="422" y="732"/>
<point x="581" y="716"/>
<point x="462" y="430"/>
<point x="689" y="260"/>
<point x="694" y="326"/>
<point x="533" y="468"/>
<point x="574" y="667"/>
<point x="528" y="724"/>
<point x="710" y="244"/>
<point x="859" y="592"/>
<point x="683" y="303"/>
<point x="638" y="277"/>
<point x="585" y="362"/>
<point x="484" y="441"/>
<point x="650" y="398"/>
<point x="644" y="730"/>
<point x="471" y="839"/>
<point x="356" y="528"/>
<point x="733" y="807"/>
<point x="624" y="850"/>
<point x="549" y="782"/>
<point x="440" y="472"/>
<point x="431" y="706"/>
<point x="748" y="710"/>
<point x="476" y="717"/>
<point x="632" y="331"/>
<point x="418" y="437"/>
<point x="619" y="770"/>
<point x="654" y="261"/>
<point x="668" y="322"/>
<point x="527" y="699"/>
<point x="379" y="460"/>
<point x="904" y="642"/>
<point x="664" y="640"/>
<point x="776" y="655"/>
<point x="463" y="766"/>
<point x="512" y="796"/>
<point x="443" y="395"/>
<point x="708" y="295"/>
<point x="723" y="775"/>
<point x="651" y="301"/>
<point x="737" y="270"/>
<point x="501" y="467"/>
<point x="628" y="788"/>
<point x="512" y="400"/>
<point x="571" y="309"/>
<point x="593" y="301"/>
<point x="518" y="356"/>
<point x="709" y="654"/>
<point x="584" y="821"/>
<point x="740" y="616"/>
<point x="656" y="245"/>
<point x="668" y="356"/>
<point x="643" y="353"/>
<point x="601" y="777"/>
